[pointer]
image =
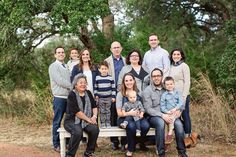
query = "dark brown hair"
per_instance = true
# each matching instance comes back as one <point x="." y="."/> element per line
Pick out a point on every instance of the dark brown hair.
<point x="55" y="50"/>
<point x="181" y="53"/>
<point x="104" y="63"/>
<point x="139" y="54"/>
<point x="80" y="65"/>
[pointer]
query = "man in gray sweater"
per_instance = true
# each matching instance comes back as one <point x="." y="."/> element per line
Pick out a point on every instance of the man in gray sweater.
<point x="157" y="119"/>
<point x="60" y="85"/>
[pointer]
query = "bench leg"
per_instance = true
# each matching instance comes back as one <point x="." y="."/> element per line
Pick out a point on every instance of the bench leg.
<point x="62" y="145"/>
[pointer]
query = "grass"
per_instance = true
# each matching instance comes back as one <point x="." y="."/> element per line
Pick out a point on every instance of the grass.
<point x="211" y="113"/>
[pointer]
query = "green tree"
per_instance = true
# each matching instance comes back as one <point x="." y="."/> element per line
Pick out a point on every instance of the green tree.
<point x="26" y="24"/>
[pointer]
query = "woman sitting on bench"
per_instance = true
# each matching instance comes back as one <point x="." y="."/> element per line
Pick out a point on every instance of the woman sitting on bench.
<point x="81" y="115"/>
<point x="129" y="84"/>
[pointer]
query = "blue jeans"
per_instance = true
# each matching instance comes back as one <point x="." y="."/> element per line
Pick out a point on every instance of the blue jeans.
<point x="159" y="125"/>
<point x="59" y="108"/>
<point x="131" y="132"/>
<point x="186" y="117"/>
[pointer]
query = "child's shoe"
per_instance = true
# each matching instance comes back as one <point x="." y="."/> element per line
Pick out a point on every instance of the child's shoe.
<point x="103" y="126"/>
<point x="138" y="132"/>
<point x="124" y="124"/>
<point x="108" y="125"/>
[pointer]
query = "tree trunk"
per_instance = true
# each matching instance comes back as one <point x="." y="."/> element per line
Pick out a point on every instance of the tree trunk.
<point x="85" y="38"/>
<point x="108" y="26"/>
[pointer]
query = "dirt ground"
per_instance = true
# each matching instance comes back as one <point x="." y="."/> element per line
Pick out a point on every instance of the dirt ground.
<point x="18" y="140"/>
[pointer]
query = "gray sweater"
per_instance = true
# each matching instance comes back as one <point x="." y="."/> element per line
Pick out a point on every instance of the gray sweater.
<point x="59" y="79"/>
<point x="151" y="100"/>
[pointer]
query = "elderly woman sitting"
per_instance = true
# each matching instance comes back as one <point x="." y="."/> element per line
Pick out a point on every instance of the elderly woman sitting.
<point x="81" y="115"/>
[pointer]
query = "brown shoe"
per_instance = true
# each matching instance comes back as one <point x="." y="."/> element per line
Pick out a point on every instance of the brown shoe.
<point x="188" y="142"/>
<point x="194" y="137"/>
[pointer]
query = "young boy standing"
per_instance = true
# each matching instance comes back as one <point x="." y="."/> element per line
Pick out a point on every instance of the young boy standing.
<point x="105" y="93"/>
<point x="171" y="100"/>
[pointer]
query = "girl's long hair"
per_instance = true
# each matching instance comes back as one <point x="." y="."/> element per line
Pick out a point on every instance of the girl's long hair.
<point x="124" y="88"/>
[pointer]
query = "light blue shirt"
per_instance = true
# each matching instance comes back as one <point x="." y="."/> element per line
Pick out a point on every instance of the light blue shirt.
<point x="170" y="100"/>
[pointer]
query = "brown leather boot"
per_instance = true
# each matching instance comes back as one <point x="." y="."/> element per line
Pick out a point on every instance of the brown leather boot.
<point x="194" y="137"/>
<point x="188" y="142"/>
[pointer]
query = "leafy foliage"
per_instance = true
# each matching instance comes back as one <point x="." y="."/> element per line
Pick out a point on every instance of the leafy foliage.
<point x="226" y="68"/>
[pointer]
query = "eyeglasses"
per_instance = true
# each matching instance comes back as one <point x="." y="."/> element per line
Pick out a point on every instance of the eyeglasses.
<point x="154" y="76"/>
<point x="153" y="40"/>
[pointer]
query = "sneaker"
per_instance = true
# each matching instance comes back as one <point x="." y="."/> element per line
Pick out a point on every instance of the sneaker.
<point x="124" y="124"/>
<point x="103" y="126"/>
<point x="108" y="125"/>
<point x="168" y="139"/>
<point x="138" y="132"/>
<point x="57" y="149"/>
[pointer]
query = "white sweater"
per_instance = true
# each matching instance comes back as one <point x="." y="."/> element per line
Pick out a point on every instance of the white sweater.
<point x="181" y="75"/>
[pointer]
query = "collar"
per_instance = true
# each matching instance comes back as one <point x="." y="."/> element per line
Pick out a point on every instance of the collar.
<point x="59" y="62"/>
<point x="173" y="92"/>
<point x="153" y="49"/>
<point x="154" y="88"/>
<point x="116" y="58"/>
<point x="178" y="63"/>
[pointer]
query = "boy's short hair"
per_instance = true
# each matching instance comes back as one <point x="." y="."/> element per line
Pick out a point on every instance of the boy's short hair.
<point x="131" y="92"/>
<point x="169" y="78"/>
<point x="104" y="63"/>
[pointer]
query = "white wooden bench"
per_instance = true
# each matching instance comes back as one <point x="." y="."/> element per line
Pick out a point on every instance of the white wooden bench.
<point x="107" y="132"/>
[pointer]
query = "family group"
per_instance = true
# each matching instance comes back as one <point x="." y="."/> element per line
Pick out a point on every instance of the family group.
<point x="134" y="93"/>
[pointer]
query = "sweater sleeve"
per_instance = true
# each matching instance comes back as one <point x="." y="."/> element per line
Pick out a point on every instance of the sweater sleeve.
<point x="186" y="75"/>
<point x="113" y="88"/>
<point x="119" y="102"/>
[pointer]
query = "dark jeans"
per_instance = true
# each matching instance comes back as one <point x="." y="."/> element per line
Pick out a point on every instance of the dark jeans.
<point x="159" y="125"/>
<point x="59" y="108"/>
<point x="131" y="132"/>
<point x="131" y="119"/>
<point x="114" y="140"/>
<point x="76" y="132"/>
<point x="186" y="117"/>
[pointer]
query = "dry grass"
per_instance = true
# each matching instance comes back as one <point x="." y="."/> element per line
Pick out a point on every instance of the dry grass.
<point x="26" y="104"/>
<point x="211" y="114"/>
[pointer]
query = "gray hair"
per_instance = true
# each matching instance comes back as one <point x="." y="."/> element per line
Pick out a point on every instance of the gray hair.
<point x="76" y="78"/>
